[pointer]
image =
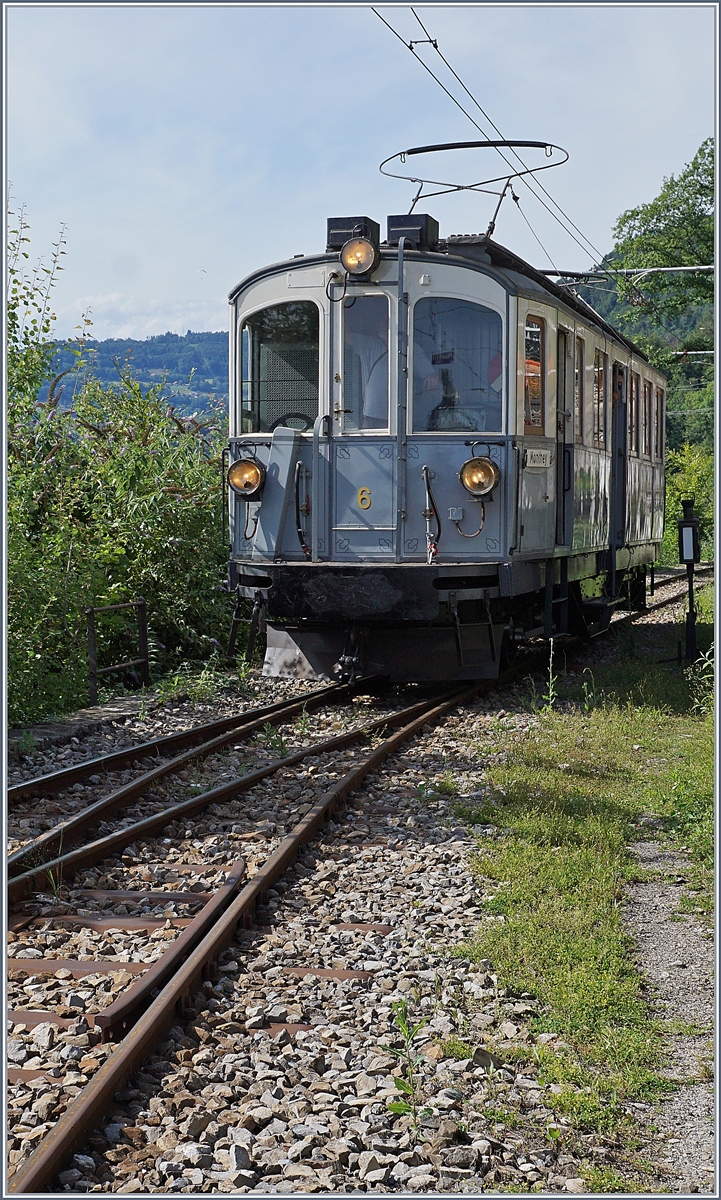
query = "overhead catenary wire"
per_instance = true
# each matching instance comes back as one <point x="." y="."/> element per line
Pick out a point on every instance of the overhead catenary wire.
<point x="493" y="125"/>
<point x="410" y="46"/>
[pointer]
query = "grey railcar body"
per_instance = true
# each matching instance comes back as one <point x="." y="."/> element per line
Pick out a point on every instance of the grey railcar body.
<point x="345" y="389"/>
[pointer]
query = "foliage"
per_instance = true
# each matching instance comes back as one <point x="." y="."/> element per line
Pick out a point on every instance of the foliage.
<point x="674" y="229"/>
<point x="407" y="1083"/>
<point x="192" y="367"/>
<point x="668" y="313"/>
<point x="570" y="796"/>
<point x="689" y="475"/>
<point x="111" y="499"/>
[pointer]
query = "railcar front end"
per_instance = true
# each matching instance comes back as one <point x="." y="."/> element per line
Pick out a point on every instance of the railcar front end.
<point x="421" y="472"/>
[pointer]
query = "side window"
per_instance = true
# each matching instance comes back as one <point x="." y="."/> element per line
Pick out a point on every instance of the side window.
<point x="578" y="388"/>
<point x="599" y="399"/>
<point x="633" y="413"/>
<point x="365" y="363"/>
<point x="534" y="378"/>
<point x="280" y="367"/>
<point x="646" y="419"/>
<point x="457" y="367"/>
<point x="660" y="424"/>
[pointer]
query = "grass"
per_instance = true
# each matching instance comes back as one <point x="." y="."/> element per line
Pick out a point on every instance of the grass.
<point x="569" y="796"/>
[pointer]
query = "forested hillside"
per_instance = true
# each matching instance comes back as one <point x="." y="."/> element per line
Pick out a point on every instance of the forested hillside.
<point x="194" y="366"/>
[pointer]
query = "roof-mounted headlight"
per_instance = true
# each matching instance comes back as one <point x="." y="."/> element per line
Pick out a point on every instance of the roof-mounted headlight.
<point x="246" y="477"/>
<point x="479" y="476"/>
<point x="359" y="256"/>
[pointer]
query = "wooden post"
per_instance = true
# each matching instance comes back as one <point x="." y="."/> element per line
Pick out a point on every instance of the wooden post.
<point x="143" y="641"/>
<point x="92" y="657"/>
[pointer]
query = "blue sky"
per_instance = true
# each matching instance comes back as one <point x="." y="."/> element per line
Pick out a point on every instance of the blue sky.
<point x="184" y="146"/>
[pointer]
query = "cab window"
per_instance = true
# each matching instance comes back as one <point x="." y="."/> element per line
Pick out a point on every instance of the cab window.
<point x="279" y="367"/>
<point x="457" y="367"/>
<point x="365" y="363"/>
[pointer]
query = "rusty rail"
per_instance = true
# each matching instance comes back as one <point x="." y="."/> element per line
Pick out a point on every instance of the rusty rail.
<point x="45" y="785"/>
<point x="54" y="871"/>
<point x="38" y="1171"/>
<point x="68" y="831"/>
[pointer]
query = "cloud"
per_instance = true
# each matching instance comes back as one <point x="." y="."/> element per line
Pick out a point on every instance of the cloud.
<point x="176" y="140"/>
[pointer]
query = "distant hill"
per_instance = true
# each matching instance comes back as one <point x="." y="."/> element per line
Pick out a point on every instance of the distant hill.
<point x="195" y="366"/>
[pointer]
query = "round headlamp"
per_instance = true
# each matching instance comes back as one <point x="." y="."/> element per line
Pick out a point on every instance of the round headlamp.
<point x="359" y="256"/>
<point x="246" y="476"/>
<point x="479" y="476"/>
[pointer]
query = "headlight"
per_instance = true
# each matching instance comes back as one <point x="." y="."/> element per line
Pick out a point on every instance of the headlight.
<point x="479" y="476"/>
<point x="359" y="256"/>
<point x="246" y="476"/>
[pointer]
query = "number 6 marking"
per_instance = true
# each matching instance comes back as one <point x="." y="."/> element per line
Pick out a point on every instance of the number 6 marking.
<point x="364" y="497"/>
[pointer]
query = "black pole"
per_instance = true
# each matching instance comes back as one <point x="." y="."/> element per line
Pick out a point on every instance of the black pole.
<point x="691" y="647"/>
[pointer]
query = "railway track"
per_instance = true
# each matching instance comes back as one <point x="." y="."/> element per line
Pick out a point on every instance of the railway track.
<point x="138" y="1018"/>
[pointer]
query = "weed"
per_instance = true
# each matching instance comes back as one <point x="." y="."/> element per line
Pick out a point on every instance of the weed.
<point x="26" y="743"/>
<point x="590" y="695"/>
<point x="196" y="686"/>
<point x="454" y="1047"/>
<point x="701" y="679"/>
<point x="604" y="1180"/>
<point x="407" y="1084"/>
<point x="550" y="696"/>
<point x="273" y="740"/>
<point x="304" y="723"/>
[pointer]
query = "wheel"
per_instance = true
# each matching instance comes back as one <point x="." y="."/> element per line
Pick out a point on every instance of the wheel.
<point x="286" y="419"/>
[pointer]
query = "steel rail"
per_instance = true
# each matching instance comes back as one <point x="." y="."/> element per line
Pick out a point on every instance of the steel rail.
<point x="69" y="830"/>
<point x="56" y="869"/>
<point x="45" y="785"/>
<point x="77" y="1121"/>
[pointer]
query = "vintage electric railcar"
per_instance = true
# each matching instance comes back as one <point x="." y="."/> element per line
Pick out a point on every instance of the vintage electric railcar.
<point x="435" y="454"/>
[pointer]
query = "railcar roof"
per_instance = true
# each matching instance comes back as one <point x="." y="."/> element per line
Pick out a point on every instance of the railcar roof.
<point x="478" y="251"/>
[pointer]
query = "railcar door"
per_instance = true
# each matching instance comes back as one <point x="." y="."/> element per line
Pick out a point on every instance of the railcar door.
<point x="619" y="454"/>
<point x="564" y="439"/>
<point x="364" y="453"/>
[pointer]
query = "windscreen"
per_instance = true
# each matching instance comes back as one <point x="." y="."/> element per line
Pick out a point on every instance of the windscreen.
<point x="279" y="368"/>
<point x="457" y="367"/>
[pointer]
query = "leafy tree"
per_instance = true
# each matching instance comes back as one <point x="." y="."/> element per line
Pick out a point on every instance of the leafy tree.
<point x="674" y="229"/>
<point x="110" y="499"/>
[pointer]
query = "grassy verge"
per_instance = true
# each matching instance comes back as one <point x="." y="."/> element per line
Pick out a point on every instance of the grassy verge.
<point x="616" y="747"/>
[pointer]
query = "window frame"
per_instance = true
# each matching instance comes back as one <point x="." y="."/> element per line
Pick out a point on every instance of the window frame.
<point x="579" y="390"/>
<point x="600" y="408"/>
<point x="659" y="423"/>
<point x="411" y="431"/>
<point x="646" y="433"/>
<point x="530" y="430"/>
<point x="386" y="429"/>
<point x="242" y="320"/>
<point x="633" y="414"/>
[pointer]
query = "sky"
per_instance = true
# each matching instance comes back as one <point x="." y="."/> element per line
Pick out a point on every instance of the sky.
<point x="184" y="146"/>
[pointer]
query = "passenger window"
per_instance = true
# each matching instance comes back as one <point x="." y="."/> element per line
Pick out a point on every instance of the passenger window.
<point x="660" y="423"/>
<point x="578" y="389"/>
<point x="599" y="399"/>
<point x="457" y="367"/>
<point x="534" y="398"/>
<point x="365" y="363"/>
<point x="633" y="414"/>
<point x="647" y="419"/>
<point x="279" y="368"/>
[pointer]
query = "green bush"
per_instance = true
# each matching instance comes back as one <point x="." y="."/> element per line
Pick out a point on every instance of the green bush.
<point x="110" y="499"/>
<point x="689" y="475"/>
